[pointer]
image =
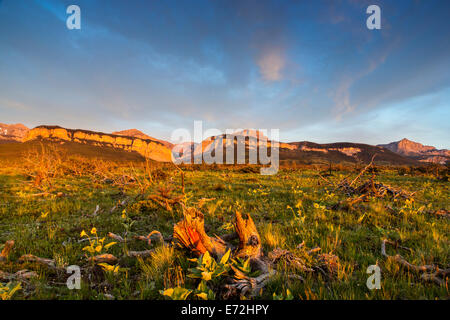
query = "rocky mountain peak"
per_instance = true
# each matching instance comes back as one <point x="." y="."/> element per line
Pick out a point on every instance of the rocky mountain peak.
<point x="13" y="132"/>
<point x="418" y="151"/>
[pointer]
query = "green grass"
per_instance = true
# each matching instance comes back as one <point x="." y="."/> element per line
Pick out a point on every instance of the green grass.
<point x="354" y="236"/>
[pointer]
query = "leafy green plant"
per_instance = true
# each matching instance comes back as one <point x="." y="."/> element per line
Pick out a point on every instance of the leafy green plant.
<point x="208" y="269"/>
<point x="287" y="296"/>
<point x="96" y="244"/>
<point x="127" y="224"/>
<point x="177" y="293"/>
<point x="8" y="290"/>
<point x="245" y="267"/>
<point x="203" y="292"/>
<point x="109" y="268"/>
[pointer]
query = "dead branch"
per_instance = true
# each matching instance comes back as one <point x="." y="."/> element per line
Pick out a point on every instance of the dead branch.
<point x="140" y="254"/>
<point x="42" y="261"/>
<point x="326" y="180"/>
<point x="104" y="258"/>
<point x="366" y="189"/>
<point x="281" y="255"/>
<point x="436" y="277"/>
<point x="430" y="272"/>
<point x="22" y="275"/>
<point x="152" y="235"/>
<point x="155" y="235"/>
<point x="363" y="170"/>
<point x="442" y="213"/>
<point x="120" y="204"/>
<point x="116" y="237"/>
<point x="164" y="202"/>
<point x="314" y="250"/>
<point x="97" y="209"/>
<point x="42" y="194"/>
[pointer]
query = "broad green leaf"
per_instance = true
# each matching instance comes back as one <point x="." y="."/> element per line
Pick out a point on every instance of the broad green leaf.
<point x="225" y="257"/>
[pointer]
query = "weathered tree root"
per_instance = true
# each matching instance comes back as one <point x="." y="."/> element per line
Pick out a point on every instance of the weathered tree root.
<point x="190" y="232"/>
<point x="249" y="239"/>
<point x="6" y="250"/>
<point x="431" y="273"/>
<point x="244" y="285"/>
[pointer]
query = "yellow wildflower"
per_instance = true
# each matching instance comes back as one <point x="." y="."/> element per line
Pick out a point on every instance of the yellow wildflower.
<point x="202" y="296"/>
<point x="206" y="275"/>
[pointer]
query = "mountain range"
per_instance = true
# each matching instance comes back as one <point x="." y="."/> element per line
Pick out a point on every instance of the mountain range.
<point x="403" y="152"/>
<point x="417" y="151"/>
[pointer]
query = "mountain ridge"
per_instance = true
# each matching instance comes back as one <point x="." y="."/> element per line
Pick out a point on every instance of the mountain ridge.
<point x="304" y="151"/>
<point x="397" y="153"/>
<point x="418" y="151"/>
<point x="152" y="149"/>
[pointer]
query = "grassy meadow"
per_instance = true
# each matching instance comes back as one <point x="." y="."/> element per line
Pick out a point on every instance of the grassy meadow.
<point x="62" y="207"/>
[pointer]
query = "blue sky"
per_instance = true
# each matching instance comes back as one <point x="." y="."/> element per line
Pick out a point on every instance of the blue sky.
<point x="310" y="68"/>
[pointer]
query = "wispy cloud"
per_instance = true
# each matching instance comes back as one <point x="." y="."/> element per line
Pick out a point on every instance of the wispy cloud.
<point x="13" y="105"/>
<point x="342" y="93"/>
<point x="271" y="64"/>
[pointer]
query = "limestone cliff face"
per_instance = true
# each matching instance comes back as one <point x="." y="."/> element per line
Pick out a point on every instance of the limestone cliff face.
<point x="139" y="134"/>
<point x="152" y="149"/>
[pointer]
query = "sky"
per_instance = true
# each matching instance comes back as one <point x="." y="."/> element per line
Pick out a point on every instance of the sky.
<point x="311" y="69"/>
